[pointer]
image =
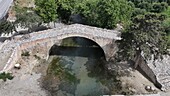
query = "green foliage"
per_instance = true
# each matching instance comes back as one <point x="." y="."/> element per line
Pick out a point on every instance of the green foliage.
<point x="27" y="20"/>
<point x="166" y="23"/>
<point x="138" y="11"/>
<point x="159" y="7"/>
<point x="168" y="41"/>
<point x="65" y="9"/>
<point x="46" y="9"/>
<point x="145" y="5"/>
<point x="4" y="76"/>
<point x="145" y="35"/>
<point x="6" y="27"/>
<point x="100" y="13"/>
<point x="151" y="5"/>
<point x="105" y="13"/>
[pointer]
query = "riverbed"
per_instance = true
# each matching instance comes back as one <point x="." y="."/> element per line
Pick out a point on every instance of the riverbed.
<point x="79" y="71"/>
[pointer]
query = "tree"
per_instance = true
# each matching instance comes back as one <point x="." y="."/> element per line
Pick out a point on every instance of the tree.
<point x="159" y="7"/>
<point x="46" y="9"/>
<point x="145" y="5"/>
<point x="65" y="9"/>
<point x="105" y="13"/>
<point x="6" y="27"/>
<point x="138" y="11"/>
<point x="145" y="35"/>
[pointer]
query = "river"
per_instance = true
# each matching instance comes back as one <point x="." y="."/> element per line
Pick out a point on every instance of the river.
<point x="76" y="68"/>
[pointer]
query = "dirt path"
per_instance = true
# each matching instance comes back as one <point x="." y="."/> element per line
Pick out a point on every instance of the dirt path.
<point x="25" y="82"/>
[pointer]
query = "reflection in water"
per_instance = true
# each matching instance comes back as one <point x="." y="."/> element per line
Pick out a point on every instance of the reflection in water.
<point x="78" y="71"/>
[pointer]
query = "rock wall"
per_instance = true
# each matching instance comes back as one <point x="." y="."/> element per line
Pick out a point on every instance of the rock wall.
<point x="161" y="68"/>
<point x="142" y="66"/>
<point x="157" y="71"/>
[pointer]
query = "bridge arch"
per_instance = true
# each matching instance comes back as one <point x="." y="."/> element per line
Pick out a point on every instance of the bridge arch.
<point x="83" y="42"/>
<point x="100" y="42"/>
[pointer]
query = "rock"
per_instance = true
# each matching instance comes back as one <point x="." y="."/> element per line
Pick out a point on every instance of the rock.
<point x="148" y="88"/>
<point x="163" y="89"/>
<point x="153" y="89"/>
<point x="17" y="66"/>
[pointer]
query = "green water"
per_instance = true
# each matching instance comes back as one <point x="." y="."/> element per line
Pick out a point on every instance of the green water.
<point x="79" y="72"/>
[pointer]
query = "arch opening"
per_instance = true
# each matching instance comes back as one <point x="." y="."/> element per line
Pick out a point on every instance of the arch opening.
<point x="83" y="47"/>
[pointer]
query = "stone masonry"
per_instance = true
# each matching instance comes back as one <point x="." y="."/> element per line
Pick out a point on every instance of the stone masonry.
<point x="11" y="51"/>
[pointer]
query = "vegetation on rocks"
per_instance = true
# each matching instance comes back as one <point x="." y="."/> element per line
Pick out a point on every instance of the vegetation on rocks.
<point x="26" y="18"/>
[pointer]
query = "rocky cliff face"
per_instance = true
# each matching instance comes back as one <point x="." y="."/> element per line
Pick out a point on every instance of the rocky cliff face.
<point x="161" y="68"/>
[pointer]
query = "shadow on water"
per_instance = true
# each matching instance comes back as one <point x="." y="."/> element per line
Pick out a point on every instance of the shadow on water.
<point x="89" y="52"/>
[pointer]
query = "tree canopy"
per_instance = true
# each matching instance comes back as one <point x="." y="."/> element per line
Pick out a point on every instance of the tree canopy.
<point x="6" y="27"/>
<point x="46" y="9"/>
<point x="105" y="13"/>
<point x="145" y="35"/>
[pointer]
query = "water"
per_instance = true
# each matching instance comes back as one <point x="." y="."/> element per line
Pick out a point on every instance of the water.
<point x="78" y="71"/>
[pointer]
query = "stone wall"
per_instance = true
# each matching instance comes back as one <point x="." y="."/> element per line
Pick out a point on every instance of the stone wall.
<point x="142" y="66"/>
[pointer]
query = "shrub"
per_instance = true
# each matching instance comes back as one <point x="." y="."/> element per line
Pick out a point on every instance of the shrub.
<point x="4" y="76"/>
<point x="138" y="11"/>
<point x="25" y="53"/>
<point x="159" y="7"/>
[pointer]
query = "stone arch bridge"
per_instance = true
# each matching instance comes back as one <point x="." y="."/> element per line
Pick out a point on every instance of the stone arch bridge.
<point x="44" y="40"/>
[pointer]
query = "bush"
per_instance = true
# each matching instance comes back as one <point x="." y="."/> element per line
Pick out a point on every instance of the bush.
<point x="145" y="5"/>
<point x="25" y="53"/>
<point x="159" y="7"/>
<point x="138" y="11"/>
<point x="4" y="76"/>
<point x="6" y="27"/>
